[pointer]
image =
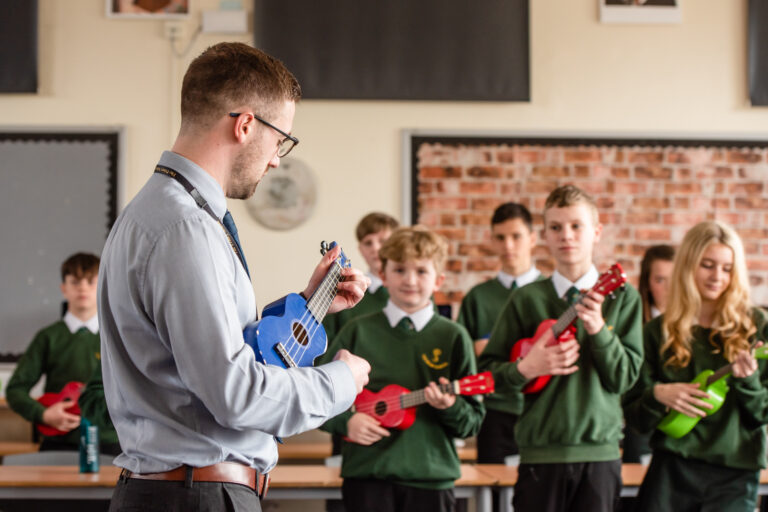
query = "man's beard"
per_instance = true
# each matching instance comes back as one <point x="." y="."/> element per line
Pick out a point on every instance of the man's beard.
<point x="241" y="185"/>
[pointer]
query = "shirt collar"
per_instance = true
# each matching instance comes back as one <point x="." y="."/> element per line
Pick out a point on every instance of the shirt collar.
<point x="655" y="312"/>
<point x="585" y="282"/>
<point x="208" y="187"/>
<point x="523" y="279"/>
<point x="420" y="318"/>
<point x="376" y="282"/>
<point x="74" y="324"/>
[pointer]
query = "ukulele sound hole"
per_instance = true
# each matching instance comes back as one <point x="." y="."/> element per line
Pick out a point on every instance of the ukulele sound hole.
<point x="300" y="333"/>
<point x="381" y="408"/>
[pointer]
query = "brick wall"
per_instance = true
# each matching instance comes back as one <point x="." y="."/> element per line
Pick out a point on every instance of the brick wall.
<point x="646" y="195"/>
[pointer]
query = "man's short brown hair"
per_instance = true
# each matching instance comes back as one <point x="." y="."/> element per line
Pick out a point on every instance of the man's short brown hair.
<point x="375" y="222"/>
<point x="570" y="195"/>
<point x="230" y="74"/>
<point x="413" y="243"/>
<point x="80" y="265"/>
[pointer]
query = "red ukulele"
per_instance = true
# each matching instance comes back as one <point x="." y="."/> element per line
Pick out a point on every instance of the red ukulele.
<point x="69" y="393"/>
<point x="562" y="329"/>
<point x="395" y="407"/>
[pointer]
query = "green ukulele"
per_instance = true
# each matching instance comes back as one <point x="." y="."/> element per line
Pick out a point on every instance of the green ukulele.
<point x="676" y="424"/>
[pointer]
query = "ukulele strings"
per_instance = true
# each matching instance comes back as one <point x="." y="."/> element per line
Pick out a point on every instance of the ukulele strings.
<point x="399" y="399"/>
<point x="324" y="295"/>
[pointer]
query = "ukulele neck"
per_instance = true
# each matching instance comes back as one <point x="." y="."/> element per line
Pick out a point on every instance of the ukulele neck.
<point x="323" y="296"/>
<point x="565" y="320"/>
<point x="416" y="398"/>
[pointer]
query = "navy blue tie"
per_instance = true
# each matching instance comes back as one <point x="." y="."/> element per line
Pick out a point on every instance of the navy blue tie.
<point x="229" y="223"/>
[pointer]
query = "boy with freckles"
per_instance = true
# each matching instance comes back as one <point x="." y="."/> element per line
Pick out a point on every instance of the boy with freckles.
<point x="409" y="345"/>
<point x="569" y="432"/>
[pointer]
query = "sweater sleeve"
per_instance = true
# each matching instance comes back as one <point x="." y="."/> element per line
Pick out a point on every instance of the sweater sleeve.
<point x="468" y="316"/>
<point x="751" y="392"/>
<point x="495" y="357"/>
<point x="337" y="424"/>
<point x="641" y="409"/>
<point x="617" y="350"/>
<point x="464" y="417"/>
<point x="93" y="405"/>
<point x="29" y="369"/>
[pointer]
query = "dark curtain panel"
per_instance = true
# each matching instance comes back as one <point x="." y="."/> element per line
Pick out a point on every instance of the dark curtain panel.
<point x="400" y="49"/>
<point x="758" y="52"/>
<point x="18" y="46"/>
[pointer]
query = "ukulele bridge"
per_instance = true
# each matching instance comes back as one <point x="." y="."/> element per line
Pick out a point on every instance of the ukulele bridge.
<point x="287" y="359"/>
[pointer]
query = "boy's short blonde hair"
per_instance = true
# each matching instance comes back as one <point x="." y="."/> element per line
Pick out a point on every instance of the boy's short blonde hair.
<point x="570" y="195"/>
<point x="375" y="222"/>
<point x="413" y="243"/>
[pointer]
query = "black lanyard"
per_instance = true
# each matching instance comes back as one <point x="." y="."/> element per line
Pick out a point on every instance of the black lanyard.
<point x="202" y="203"/>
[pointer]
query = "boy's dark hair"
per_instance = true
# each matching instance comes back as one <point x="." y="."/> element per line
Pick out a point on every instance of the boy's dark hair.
<point x="653" y="253"/>
<point x="508" y="211"/>
<point x="373" y="223"/>
<point x="227" y="75"/>
<point x="81" y="265"/>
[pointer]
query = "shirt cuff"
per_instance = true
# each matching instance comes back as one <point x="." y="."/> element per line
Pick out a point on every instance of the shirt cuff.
<point x="344" y="389"/>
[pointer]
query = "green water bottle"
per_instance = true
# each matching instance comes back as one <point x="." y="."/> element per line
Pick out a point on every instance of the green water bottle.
<point x="89" y="446"/>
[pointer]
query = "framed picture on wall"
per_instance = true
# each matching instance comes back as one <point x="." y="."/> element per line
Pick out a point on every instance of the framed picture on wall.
<point x="147" y="9"/>
<point x="640" y="11"/>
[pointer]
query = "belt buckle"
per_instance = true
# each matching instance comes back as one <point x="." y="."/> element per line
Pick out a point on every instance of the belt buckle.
<point x="264" y="485"/>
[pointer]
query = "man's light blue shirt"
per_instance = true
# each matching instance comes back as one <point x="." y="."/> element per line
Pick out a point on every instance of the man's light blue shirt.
<point x="181" y="385"/>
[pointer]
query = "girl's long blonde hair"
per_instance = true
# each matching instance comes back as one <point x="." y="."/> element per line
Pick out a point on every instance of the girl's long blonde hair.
<point x="733" y="321"/>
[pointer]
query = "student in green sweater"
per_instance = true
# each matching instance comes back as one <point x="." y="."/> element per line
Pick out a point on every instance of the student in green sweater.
<point x="371" y="232"/>
<point x="63" y="352"/>
<point x="569" y="432"/>
<point x="409" y="345"/>
<point x="655" y="273"/>
<point x="513" y="240"/>
<point x="708" y="323"/>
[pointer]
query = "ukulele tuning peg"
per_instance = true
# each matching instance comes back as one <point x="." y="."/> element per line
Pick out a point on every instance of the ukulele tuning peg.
<point x="324" y="247"/>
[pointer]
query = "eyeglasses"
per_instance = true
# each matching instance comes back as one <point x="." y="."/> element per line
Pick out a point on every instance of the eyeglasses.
<point x="285" y="146"/>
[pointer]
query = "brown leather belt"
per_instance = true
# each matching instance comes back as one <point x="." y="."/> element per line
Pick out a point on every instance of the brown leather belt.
<point x="225" y="472"/>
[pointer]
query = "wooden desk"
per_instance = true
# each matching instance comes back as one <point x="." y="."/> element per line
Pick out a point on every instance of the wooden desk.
<point x="316" y="453"/>
<point x="16" y="447"/>
<point x="293" y="482"/>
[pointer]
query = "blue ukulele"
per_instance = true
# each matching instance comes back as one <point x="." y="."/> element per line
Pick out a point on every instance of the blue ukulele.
<point x="290" y="333"/>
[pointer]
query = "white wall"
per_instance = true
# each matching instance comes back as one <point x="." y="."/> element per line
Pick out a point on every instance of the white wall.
<point x="586" y="77"/>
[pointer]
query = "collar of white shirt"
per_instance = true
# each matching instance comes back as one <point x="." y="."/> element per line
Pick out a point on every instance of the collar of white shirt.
<point x="523" y="279"/>
<point x="585" y="282"/>
<point x="420" y="318"/>
<point x="74" y="323"/>
<point x="376" y="282"/>
<point x="655" y="312"/>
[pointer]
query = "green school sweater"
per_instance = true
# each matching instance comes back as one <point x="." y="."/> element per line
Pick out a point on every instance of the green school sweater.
<point x="93" y="406"/>
<point x="479" y="311"/>
<point x="735" y="435"/>
<point x="62" y="357"/>
<point x="370" y="303"/>
<point x="577" y="417"/>
<point x="423" y="455"/>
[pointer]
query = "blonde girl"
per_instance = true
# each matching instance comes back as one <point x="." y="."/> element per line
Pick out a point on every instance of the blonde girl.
<point x="708" y="322"/>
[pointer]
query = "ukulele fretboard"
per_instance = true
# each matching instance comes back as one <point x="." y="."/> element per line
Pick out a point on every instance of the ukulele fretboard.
<point x="321" y="300"/>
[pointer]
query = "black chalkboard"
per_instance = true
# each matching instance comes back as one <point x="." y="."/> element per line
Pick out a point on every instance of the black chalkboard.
<point x="400" y="49"/>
